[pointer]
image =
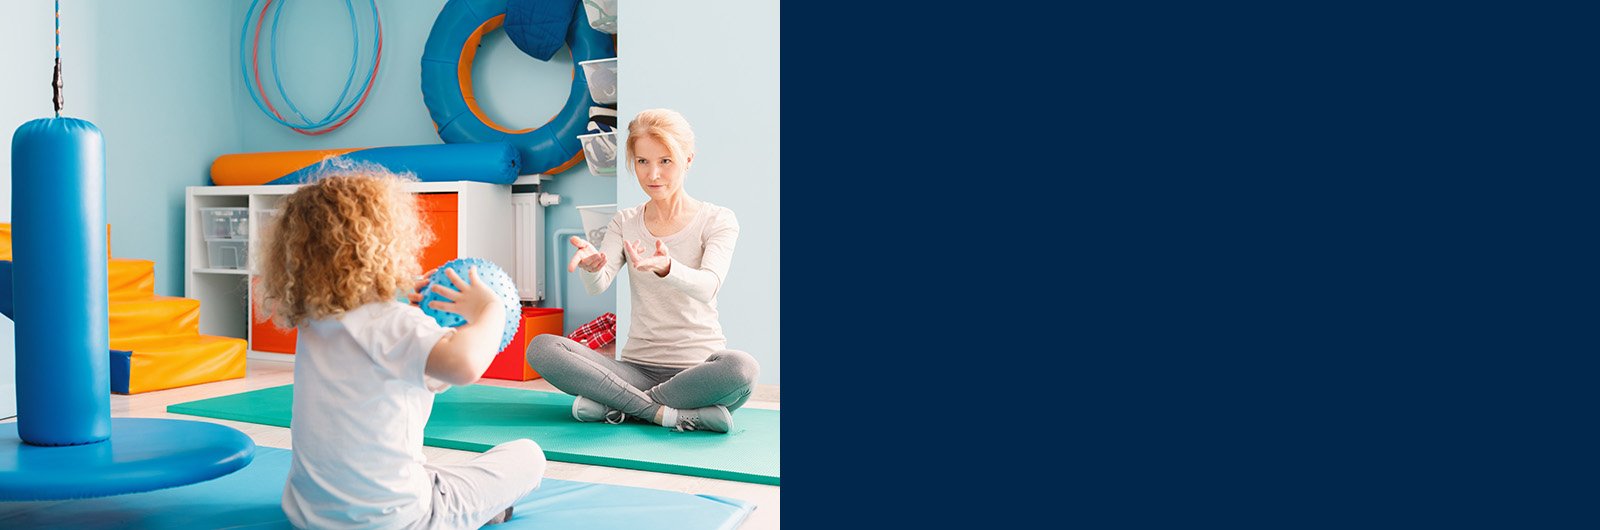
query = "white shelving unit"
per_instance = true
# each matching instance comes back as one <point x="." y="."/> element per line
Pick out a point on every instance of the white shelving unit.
<point x="484" y="230"/>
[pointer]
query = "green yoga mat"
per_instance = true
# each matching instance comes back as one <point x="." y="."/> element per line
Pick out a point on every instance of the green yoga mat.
<point x="478" y="417"/>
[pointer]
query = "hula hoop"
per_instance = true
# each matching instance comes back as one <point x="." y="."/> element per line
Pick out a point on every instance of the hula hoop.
<point x="342" y="111"/>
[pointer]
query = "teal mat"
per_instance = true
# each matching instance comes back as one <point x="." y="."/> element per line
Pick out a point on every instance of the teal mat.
<point x="478" y="417"/>
<point x="250" y="497"/>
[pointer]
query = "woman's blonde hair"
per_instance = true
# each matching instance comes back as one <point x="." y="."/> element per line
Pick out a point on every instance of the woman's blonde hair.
<point x="666" y="126"/>
<point x="350" y="238"/>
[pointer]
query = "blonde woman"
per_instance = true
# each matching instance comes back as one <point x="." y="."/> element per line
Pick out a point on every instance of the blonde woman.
<point x="676" y="370"/>
<point x="367" y="366"/>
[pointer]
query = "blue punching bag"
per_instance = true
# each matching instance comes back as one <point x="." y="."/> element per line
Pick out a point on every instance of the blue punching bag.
<point x="63" y="356"/>
<point x="58" y="213"/>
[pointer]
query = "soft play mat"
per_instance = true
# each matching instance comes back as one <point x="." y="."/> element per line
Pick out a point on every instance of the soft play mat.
<point x="478" y="417"/>
<point x="249" y="498"/>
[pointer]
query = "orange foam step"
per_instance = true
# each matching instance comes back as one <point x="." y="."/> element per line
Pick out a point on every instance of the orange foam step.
<point x="154" y="317"/>
<point x="131" y="279"/>
<point x="159" y="363"/>
<point x="5" y="241"/>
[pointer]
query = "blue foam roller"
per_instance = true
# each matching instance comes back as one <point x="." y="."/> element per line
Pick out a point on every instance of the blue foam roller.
<point x="492" y="162"/>
<point x="58" y="211"/>
<point x="498" y="281"/>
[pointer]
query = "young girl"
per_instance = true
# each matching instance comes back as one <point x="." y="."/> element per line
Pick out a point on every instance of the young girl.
<point x="367" y="366"/>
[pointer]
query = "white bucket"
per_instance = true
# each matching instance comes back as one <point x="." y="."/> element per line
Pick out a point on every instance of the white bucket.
<point x="595" y="218"/>
<point x="602" y="76"/>
<point x="600" y="150"/>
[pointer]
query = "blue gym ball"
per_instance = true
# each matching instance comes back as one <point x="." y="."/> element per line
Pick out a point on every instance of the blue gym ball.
<point x="498" y="281"/>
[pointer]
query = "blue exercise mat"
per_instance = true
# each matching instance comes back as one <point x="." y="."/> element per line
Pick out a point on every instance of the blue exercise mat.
<point x="249" y="498"/>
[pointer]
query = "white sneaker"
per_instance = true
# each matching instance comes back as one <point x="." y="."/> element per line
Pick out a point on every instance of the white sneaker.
<point x="715" y="418"/>
<point x="585" y="409"/>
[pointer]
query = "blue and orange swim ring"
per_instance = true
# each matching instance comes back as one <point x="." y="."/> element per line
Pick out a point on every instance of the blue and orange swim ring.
<point x="447" y="86"/>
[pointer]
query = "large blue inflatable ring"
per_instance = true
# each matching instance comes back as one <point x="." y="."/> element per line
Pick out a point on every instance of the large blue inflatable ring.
<point x="447" y="86"/>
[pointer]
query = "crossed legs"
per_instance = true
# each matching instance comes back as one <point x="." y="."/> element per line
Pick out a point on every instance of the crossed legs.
<point x="726" y="378"/>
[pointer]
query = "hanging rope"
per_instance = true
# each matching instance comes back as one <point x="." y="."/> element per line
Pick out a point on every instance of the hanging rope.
<point x="55" y="82"/>
<point x="342" y="110"/>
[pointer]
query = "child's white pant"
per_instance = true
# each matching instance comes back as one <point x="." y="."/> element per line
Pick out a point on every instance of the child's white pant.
<point x="467" y="494"/>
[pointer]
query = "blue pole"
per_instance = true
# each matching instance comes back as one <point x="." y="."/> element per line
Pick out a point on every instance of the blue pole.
<point x="61" y="309"/>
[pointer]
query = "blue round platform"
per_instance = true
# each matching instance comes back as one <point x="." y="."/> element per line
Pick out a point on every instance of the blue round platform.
<point x="143" y="454"/>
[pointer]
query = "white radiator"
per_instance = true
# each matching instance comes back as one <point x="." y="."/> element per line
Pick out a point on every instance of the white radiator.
<point x="527" y="216"/>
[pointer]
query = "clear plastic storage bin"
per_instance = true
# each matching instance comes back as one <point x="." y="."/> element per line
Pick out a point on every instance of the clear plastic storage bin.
<point x="228" y="253"/>
<point x="602" y="76"/>
<point x="225" y="223"/>
<point x="600" y="150"/>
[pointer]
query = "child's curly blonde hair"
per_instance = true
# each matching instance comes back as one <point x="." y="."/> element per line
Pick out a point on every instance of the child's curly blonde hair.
<point x="349" y="239"/>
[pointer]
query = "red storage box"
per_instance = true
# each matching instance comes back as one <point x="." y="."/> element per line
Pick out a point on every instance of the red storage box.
<point x="512" y="363"/>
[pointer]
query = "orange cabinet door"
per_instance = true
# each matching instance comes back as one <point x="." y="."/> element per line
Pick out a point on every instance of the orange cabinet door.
<point x="439" y="211"/>
<point x="264" y="336"/>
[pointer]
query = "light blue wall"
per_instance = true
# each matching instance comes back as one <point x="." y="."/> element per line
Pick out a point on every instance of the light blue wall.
<point x="716" y="61"/>
<point x="27" y="55"/>
<point x="163" y="99"/>
<point x="513" y="88"/>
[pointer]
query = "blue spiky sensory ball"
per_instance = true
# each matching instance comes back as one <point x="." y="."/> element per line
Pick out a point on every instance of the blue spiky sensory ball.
<point x="498" y="281"/>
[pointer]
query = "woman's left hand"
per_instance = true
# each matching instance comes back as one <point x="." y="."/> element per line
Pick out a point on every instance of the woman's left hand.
<point x="659" y="262"/>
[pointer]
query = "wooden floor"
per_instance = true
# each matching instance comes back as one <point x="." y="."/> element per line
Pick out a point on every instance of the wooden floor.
<point x="264" y="373"/>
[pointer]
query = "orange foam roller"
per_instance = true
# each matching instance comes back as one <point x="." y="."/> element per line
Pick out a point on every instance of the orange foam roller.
<point x="492" y="162"/>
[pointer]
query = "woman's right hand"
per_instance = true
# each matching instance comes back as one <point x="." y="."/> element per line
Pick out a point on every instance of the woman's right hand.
<point x="588" y="257"/>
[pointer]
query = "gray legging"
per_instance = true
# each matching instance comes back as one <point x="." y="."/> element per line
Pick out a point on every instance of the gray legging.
<point x="726" y="378"/>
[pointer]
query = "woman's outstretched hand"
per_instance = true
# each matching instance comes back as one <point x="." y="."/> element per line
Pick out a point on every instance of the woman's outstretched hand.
<point x="657" y="262"/>
<point x="586" y="256"/>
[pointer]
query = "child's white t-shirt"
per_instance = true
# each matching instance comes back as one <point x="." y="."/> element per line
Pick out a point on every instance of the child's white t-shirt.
<point x="360" y="402"/>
